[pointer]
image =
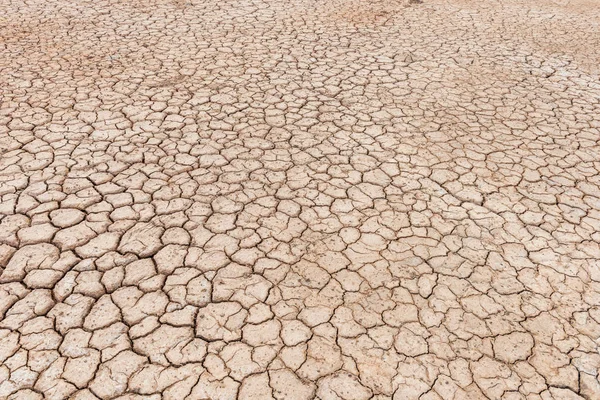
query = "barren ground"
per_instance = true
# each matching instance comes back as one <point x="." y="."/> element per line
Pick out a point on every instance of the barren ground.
<point x="299" y="199"/>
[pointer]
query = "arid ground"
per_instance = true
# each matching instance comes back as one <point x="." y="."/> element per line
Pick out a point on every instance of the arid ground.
<point x="299" y="199"/>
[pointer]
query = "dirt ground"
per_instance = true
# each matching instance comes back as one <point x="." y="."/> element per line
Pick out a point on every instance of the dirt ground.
<point x="300" y="199"/>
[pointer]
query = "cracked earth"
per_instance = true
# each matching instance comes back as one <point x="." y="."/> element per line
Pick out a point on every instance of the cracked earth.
<point x="303" y="199"/>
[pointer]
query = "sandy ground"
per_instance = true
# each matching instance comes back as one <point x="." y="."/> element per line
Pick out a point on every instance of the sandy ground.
<point x="301" y="199"/>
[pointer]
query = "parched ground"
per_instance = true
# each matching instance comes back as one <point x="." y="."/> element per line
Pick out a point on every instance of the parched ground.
<point x="299" y="199"/>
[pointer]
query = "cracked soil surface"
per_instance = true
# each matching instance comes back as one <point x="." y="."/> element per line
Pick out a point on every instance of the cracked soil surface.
<point x="301" y="199"/>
